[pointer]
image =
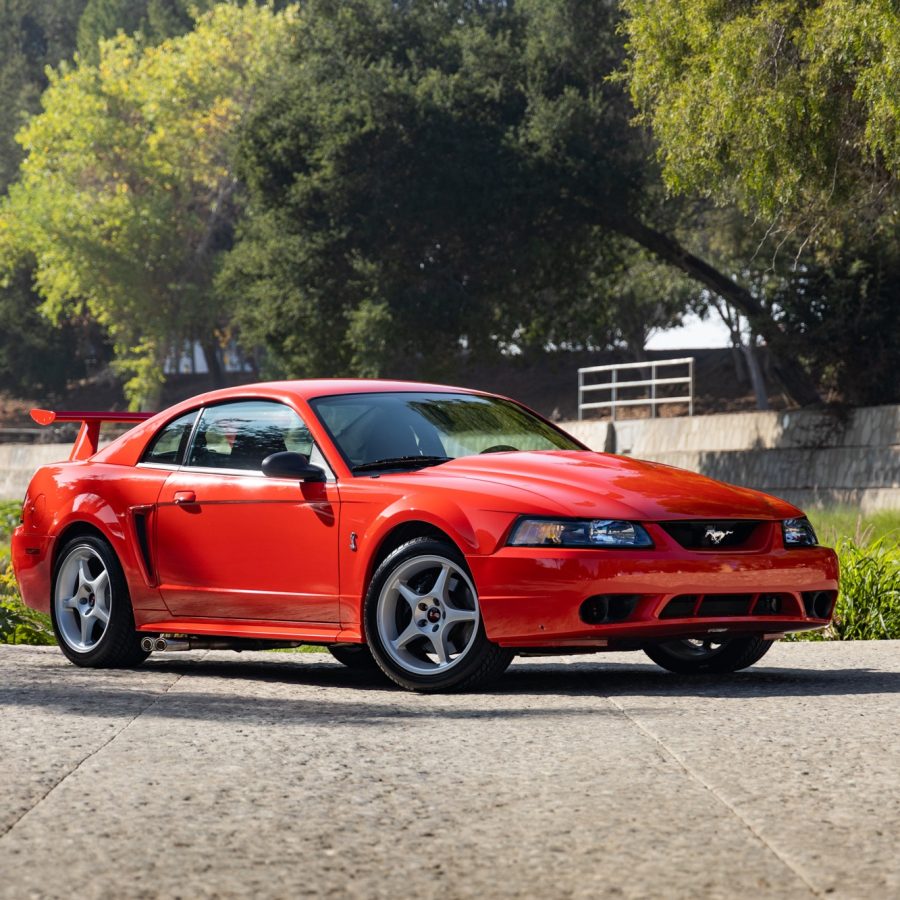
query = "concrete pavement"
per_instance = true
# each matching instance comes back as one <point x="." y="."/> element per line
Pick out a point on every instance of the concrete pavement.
<point x="283" y="775"/>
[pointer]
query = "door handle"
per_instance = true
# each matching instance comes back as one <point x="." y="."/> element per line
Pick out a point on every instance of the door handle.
<point x="184" y="497"/>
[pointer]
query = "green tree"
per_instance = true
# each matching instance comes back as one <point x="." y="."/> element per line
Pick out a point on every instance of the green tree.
<point x="35" y="355"/>
<point x="155" y="19"/>
<point x="34" y="34"/>
<point x="466" y="170"/>
<point x="789" y="107"/>
<point x="788" y="110"/>
<point x="127" y="194"/>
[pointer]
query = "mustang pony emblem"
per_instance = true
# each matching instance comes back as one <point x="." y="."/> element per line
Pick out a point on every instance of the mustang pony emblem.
<point x="715" y="536"/>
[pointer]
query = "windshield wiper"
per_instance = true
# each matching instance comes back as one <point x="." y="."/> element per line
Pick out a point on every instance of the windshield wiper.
<point x="399" y="462"/>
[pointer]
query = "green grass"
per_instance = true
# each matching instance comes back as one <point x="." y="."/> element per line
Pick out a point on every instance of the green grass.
<point x="868" y="607"/>
<point x="841" y="522"/>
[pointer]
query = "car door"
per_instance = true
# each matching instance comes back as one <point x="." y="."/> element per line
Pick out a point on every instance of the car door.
<point x="233" y="543"/>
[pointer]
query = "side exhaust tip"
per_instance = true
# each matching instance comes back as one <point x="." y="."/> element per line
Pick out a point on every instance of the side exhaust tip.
<point x="148" y="644"/>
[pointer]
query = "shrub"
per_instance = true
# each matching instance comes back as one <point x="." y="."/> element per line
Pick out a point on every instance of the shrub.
<point x="18" y="623"/>
<point x="868" y="606"/>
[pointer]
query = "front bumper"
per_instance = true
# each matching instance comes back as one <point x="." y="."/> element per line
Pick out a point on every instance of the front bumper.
<point x="532" y="597"/>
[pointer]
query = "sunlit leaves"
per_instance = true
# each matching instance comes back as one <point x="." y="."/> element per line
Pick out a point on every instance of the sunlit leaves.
<point x="127" y="192"/>
<point x="790" y="107"/>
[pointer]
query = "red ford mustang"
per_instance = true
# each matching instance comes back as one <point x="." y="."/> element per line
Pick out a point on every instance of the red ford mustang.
<point x="431" y="531"/>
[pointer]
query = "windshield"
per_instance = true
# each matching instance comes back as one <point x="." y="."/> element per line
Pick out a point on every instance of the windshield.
<point x="408" y="430"/>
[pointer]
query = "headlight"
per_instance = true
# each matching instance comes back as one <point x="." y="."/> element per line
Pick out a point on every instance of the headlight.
<point x="578" y="533"/>
<point x="798" y="533"/>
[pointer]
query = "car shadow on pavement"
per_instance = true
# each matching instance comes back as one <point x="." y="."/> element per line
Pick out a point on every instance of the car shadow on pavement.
<point x="614" y="680"/>
<point x="260" y="692"/>
<point x="591" y="678"/>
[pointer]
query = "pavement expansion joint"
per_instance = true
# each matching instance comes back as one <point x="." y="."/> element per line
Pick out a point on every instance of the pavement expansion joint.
<point x="724" y="801"/>
<point x="89" y="756"/>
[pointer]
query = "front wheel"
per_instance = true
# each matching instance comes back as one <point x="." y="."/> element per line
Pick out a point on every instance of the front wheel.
<point x="91" y="609"/>
<point x="423" y="620"/>
<point x="689" y="657"/>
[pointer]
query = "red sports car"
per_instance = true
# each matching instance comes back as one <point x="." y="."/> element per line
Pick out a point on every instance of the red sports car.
<point x="432" y="531"/>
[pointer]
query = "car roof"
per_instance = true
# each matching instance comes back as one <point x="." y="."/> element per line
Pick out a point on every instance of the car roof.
<point x="308" y="389"/>
<point x="126" y="449"/>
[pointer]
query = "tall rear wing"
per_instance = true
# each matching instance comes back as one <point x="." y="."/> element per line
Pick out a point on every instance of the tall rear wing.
<point x="89" y="433"/>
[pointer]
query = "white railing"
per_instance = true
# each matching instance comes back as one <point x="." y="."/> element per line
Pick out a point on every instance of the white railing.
<point x="617" y="385"/>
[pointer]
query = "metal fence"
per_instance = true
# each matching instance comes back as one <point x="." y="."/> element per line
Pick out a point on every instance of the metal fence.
<point x="620" y="383"/>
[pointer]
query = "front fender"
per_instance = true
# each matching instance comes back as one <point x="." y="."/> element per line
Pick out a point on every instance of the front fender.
<point x="367" y="523"/>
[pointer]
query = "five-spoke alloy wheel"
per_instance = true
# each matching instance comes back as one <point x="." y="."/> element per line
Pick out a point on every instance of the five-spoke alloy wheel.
<point x="91" y="608"/>
<point x="423" y="621"/>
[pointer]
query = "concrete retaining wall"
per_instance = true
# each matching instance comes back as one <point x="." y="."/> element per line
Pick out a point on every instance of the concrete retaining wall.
<point x="806" y="457"/>
<point x="18" y="462"/>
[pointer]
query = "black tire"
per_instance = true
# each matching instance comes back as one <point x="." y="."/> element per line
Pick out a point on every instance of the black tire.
<point x="690" y="658"/>
<point x="479" y="662"/>
<point x="354" y="656"/>
<point x="119" y="646"/>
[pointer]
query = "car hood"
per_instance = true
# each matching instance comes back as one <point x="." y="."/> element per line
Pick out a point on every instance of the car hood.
<point x="608" y="486"/>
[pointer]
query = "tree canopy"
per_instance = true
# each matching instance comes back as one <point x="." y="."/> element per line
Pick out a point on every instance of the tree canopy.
<point x="790" y="108"/>
<point x="127" y="193"/>
<point x="374" y="186"/>
<point x="430" y="175"/>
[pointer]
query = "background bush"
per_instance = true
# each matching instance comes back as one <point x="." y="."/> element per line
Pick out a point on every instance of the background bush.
<point x="868" y="606"/>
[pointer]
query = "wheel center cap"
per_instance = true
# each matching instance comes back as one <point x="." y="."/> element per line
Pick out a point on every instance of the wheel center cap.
<point x="433" y="614"/>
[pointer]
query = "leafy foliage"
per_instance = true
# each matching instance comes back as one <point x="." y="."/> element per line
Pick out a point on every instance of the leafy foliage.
<point x="19" y="624"/>
<point x="34" y="34"/>
<point x="127" y="193"/>
<point x="155" y="19"/>
<point x="868" y="606"/>
<point x="433" y="173"/>
<point x="790" y="107"/>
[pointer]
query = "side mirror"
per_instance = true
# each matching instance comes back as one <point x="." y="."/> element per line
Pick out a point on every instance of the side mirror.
<point x="291" y="465"/>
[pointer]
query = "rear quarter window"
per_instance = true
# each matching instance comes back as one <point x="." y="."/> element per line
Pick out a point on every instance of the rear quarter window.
<point x="168" y="446"/>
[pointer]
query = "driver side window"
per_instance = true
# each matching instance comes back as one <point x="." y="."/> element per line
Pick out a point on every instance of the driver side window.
<point x="239" y="436"/>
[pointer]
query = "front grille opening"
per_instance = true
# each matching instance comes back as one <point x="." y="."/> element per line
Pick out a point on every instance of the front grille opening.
<point x="680" y="607"/>
<point x="714" y="605"/>
<point x="604" y="608"/>
<point x="719" y="534"/>
<point x="819" y="604"/>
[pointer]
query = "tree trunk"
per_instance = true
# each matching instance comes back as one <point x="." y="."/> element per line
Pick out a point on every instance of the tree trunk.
<point x="210" y="351"/>
<point x="790" y="373"/>
<point x="756" y="376"/>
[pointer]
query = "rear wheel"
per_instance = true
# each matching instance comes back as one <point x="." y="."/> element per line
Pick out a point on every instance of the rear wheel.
<point x="688" y="657"/>
<point x="354" y="656"/>
<point x="91" y="609"/>
<point x="423" y="620"/>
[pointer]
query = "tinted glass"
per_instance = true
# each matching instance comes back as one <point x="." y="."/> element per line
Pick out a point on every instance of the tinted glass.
<point x="170" y="442"/>
<point x="371" y="427"/>
<point x="241" y="435"/>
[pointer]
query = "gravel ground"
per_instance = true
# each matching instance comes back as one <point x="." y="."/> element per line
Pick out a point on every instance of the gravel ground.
<point x="286" y="775"/>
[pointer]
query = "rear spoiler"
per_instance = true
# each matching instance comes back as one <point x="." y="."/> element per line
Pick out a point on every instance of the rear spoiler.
<point x="89" y="433"/>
